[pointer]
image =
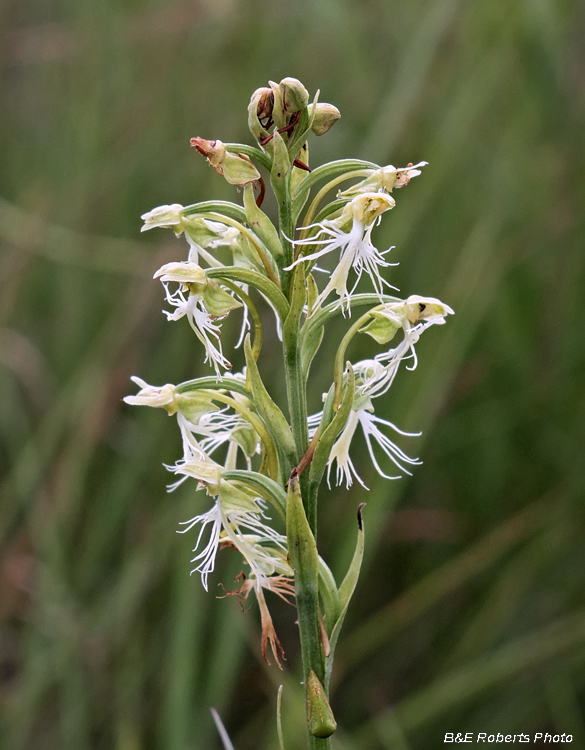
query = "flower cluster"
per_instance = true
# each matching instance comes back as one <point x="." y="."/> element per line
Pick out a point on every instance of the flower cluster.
<point x="238" y="446"/>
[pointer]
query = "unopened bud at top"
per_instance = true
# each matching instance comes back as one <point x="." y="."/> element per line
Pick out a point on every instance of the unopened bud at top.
<point x="326" y="115"/>
<point x="238" y="169"/>
<point x="262" y="102"/>
<point x="294" y="95"/>
<point x="260" y="112"/>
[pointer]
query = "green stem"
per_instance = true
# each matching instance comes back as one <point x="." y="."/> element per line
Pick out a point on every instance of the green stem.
<point x="295" y="382"/>
<point x="287" y="231"/>
<point x="339" y="363"/>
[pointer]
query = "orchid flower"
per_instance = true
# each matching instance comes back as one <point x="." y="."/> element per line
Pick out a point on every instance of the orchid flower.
<point x="357" y="250"/>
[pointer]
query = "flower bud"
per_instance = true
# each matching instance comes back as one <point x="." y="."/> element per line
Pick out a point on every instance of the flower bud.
<point x="259" y="109"/>
<point x="294" y="95"/>
<point x="326" y="115"/>
<point x="238" y="169"/>
<point x="262" y="102"/>
<point x="218" y="302"/>
<point x="383" y="325"/>
<point x="321" y="720"/>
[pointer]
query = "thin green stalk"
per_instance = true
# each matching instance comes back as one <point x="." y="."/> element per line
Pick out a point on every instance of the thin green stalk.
<point x="340" y="356"/>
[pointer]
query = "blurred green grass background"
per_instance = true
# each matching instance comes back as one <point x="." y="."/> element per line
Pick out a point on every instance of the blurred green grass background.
<point x="470" y="612"/>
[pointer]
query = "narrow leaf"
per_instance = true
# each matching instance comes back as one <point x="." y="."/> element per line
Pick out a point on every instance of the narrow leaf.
<point x="279" y="718"/>
<point x="346" y="592"/>
<point x="273" y="417"/>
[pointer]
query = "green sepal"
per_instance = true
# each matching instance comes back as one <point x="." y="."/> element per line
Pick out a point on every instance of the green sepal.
<point x="330" y="434"/>
<point x="381" y="328"/>
<point x="234" y="498"/>
<point x="322" y="723"/>
<point x="332" y="211"/>
<point x="346" y="592"/>
<point x="330" y="604"/>
<point x="217" y="301"/>
<point x="273" y="418"/>
<point x="193" y="405"/>
<point x="280" y="173"/>
<point x="262" y="485"/>
<point x="304" y="560"/>
<point x="311" y="330"/>
<point x="247" y="438"/>
<point x="261" y="224"/>
<point x="245" y="256"/>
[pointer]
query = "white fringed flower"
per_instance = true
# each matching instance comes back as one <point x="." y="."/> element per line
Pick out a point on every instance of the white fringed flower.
<point x="188" y="302"/>
<point x="362" y="414"/>
<point x="214" y="429"/>
<point x="416" y="314"/>
<point x="357" y="250"/>
<point x="238" y="522"/>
